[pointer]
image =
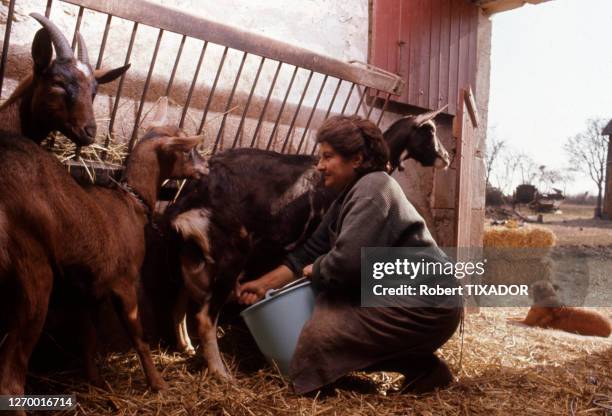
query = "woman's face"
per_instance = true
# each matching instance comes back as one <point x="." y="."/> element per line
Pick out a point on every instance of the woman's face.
<point x="337" y="171"/>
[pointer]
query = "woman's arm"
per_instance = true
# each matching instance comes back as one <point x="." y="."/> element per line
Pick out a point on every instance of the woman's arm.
<point x="365" y="224"/>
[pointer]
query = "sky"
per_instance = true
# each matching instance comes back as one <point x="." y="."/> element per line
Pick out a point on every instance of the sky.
<point x="551" y="70"/>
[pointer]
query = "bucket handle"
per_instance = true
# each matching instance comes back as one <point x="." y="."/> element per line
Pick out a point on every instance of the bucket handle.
<point x="273" y="292"/>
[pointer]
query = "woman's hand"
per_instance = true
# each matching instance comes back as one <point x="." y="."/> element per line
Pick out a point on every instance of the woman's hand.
<point x="307" y="271"/>
<point x="251" y="292"/>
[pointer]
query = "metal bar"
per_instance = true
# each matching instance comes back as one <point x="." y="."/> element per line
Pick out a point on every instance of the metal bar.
<point x="383" y="109"/>
<point x="248" y="103"/>
<point x="348" y="97"/>
<point x="331" y="103"/>
<point x="297" y="111"/>
<point x="176" y="63"/>
<point x="144" y="91"/>
<point x="360" y="100"/>
<point x="314" y="108"/>
<point x="372" y="106"/>
<point x="179" y="21"/>
<point x="212" y="90"/>
<point x="77" y="27"/>
<point x="48" y="8"/>
<point x="5" y="45"/>
<point x="265" y="107"/>
<point x="122" y="79"/>
<point x="193" y="84"/>
<point x="229" y="102"/>
<point x="280" y="112"/>
<point x="104" y="38"/>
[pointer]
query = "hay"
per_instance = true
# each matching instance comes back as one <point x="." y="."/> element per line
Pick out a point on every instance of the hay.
<point x="532" y="237"/>
<point x="507" y="369"/>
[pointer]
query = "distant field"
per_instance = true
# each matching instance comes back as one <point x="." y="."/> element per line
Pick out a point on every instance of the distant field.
<point x="575" y="226"/>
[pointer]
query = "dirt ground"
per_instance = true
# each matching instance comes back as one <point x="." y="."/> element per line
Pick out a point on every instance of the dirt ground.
<point x="574" y="226"/>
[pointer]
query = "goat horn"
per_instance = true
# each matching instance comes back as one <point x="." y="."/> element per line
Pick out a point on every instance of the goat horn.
<point x="62" y="47"/>
<point x="82" y="50"/>
<point x="430" y="115"/>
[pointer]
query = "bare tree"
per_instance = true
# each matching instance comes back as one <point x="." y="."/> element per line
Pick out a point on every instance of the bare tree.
<point x="495" y="147"/>
<point x="527" y="167"/>
<point x="587" y="152"/>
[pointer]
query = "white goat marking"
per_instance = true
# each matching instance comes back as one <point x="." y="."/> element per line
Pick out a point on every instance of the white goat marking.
<point x="195" y="224"/>
<point x="83" y="68"/>
<point x="303" y="184"/>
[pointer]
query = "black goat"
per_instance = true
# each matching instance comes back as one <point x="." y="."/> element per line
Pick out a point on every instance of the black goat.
<point x="251" y="209"/>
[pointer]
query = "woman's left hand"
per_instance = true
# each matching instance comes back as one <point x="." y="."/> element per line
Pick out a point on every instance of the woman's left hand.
<point x="307" y="271"/>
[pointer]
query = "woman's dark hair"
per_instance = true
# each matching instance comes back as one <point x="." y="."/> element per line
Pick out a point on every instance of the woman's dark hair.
<point x="350" y="135"/>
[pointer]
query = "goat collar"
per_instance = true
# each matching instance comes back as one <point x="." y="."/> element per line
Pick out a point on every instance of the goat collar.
<point x="138" y="197"/>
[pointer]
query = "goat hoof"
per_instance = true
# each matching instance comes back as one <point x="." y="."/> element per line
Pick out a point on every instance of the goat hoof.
<point x="158" y="385"/>
<point x="189" y="351"/>
<point x="221" y="374"/>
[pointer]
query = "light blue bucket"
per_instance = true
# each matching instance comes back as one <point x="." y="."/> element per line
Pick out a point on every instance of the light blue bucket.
<point x="277" y="320"/>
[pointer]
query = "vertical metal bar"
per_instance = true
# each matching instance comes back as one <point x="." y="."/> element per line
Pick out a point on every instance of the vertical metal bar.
<point x="5" y="45"/>
<point x="176" y="63"/>
<point x="383" y="109"/>
<point x="331" y="103"/>
<point x="365" y="90"/>
<point x="372" y="106"/>
<point x="144" y="91"/>
<point x="314" y="108"/>
<point x="229" y="102"/>
<point x="263" y="111"/>
<point x="77" y="27"/>
<point x="348" y="97"/>
<point x="48" y="8"/>
<point x="193" y="84"/>
<point x="280" y="112"/>
<point x="212" y="90"/>
<point x="120" y="87"/>
<point x="297" y="111"/>
<point x="104" y="38"/>
<point x="246" y="106"/>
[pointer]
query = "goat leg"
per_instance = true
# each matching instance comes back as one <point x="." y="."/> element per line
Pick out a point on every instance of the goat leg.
<point x="179" y="317"/>
<point x="208" y="315"/>
<point x="127" y="308"/>
<point x="90" y="346"/>
<point x="35" y="279"/>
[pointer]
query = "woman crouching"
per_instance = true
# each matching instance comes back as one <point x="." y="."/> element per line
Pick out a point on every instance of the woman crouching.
<point x="370" y="211"/>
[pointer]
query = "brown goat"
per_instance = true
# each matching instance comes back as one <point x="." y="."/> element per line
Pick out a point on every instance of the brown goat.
<point x="93" y="236"/>
<point x="58" y="95"/>
<point x="548" y="312"/>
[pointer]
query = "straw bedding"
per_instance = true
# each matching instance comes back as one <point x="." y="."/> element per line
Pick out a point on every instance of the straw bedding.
<point x="503" y="369"/>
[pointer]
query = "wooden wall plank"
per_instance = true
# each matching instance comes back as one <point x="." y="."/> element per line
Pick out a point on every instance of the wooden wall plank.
<point x="425" y="53"/>
<point x="434" y="56"/>
<point x="445" y="33"/>
<point x="438" y="55"/>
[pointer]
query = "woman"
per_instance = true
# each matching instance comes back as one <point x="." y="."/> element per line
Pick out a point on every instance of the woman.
<point x="370" y="211"/>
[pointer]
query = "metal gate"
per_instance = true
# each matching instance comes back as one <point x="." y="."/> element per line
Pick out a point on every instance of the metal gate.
<point x="340" y="87"/>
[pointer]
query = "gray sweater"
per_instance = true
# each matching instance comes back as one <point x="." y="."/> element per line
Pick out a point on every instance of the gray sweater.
<point x="374" y="212"/>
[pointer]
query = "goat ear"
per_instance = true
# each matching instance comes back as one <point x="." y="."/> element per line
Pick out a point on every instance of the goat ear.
<point x="430" y="115"/>
<point x="183" y="144"/>
<point x="160" y="118"/>
<point x="42" y="51"/>
<point x="104" y="76"/>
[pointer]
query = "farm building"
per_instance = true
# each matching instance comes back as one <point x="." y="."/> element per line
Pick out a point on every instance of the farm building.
<point x="259" y="75"/>
<point x="267" y="74"/>
<point x="607" y="204"/>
